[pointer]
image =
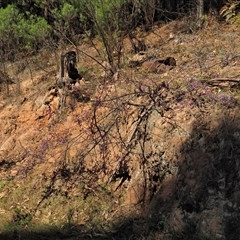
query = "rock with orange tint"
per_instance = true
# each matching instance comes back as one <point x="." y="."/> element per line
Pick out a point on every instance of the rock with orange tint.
<point x="138" y="59"/>
<point x="159" y="65"/>
<point x="7" y="146"/>
<point x="135" y="194"/>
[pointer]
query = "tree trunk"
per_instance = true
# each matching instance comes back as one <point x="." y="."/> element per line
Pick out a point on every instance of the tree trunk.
<point x="200" y="9"/>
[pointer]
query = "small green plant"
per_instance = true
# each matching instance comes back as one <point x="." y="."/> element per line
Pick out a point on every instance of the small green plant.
<point x="83" y="71"/>
<point x="2" y="184"/>
<point x="22" y="217"/>
<point x="70" y="216"/>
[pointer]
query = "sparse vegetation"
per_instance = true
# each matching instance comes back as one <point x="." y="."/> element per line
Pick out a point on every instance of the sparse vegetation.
<point x="135" y="154"/>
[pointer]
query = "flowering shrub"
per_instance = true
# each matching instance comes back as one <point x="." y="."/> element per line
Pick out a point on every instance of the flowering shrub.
<point x="200" y="92"/>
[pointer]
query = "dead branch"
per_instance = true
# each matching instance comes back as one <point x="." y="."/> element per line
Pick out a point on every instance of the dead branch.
<point x="224" y="79"/>
<point x="224" y="82"/>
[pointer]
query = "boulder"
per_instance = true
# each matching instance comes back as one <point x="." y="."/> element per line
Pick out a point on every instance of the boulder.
<point x="159" y="65"/>
<point x="138" y="59"/>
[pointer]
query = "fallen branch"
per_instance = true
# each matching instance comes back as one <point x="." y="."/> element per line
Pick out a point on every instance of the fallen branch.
<point x="224" y="82"/>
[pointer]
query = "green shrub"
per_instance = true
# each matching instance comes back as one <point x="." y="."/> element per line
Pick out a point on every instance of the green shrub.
<point x="9" y="18"/>
<point x="21" y="31"/>
<point x="32" y="31"/>
<point x="65" y="14"/>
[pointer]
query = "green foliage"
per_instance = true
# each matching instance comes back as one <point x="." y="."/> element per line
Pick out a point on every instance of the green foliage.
<point x="19" y="30"/>
<point x="231" y="12"/>
<point x="107" y="12"/>
<point x="9" y="17"/>
<point x="2" y="184"/>
<point x="83" y="71"/>
<point x="22" y="217"/>
<point x="65" y="13"/>
<point x="66" y="21"/>
<point x="32" y="30"/>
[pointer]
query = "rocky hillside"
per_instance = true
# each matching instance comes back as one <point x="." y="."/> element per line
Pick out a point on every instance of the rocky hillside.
<point x="150" y="153"/>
